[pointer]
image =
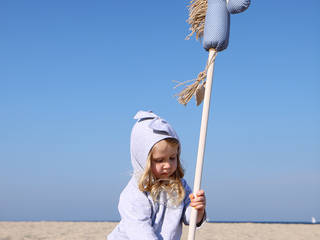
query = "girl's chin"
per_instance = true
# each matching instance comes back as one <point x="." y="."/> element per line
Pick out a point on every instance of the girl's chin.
<point x="164" y="176"/>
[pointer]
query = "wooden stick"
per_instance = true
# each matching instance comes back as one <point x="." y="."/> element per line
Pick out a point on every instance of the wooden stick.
<point x="202" y="143"/>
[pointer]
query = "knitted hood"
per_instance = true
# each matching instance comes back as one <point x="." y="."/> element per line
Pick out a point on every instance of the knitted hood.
<point x="147" y="131"/>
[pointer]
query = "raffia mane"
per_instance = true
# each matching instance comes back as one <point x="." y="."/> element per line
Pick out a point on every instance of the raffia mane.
<point x="196" y="20"/>
<point x="197" y="16"/>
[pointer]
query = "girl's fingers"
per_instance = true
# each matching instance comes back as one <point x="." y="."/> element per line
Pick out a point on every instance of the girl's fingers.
<point x="199" y="199"/>
<point x="198" y="206"/>
<point x="191" y="196"/>
<point x="198" y="202"/>
<point x="200" y="193"/>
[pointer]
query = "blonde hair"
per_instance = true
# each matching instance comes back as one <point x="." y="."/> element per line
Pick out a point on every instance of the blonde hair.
<point x="173" y="186"/>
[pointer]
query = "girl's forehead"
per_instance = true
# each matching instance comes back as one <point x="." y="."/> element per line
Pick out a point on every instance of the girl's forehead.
<point x="163" y="147"/>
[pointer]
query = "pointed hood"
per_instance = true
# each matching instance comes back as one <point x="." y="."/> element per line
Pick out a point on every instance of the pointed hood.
<point x="147" y="131"/>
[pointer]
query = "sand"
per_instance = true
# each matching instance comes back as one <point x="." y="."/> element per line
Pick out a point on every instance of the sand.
<point x="210" y="231"/>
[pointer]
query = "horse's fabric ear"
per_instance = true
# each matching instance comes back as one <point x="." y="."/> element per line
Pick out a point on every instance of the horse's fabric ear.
<point x="237" y="6"/>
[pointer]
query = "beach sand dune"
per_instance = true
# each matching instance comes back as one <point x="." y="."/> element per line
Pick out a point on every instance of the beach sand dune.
<point x="210" y="231"/>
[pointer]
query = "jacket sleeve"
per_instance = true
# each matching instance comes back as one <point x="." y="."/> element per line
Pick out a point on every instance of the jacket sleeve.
<point x="135" y="211"/>
<point x="187" y="208"/>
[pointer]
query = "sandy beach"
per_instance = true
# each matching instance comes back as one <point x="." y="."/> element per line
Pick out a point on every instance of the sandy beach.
<point x="210" y="231"/>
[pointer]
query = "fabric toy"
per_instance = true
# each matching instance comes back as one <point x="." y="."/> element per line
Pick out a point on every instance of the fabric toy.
<point x="210" y="21"/>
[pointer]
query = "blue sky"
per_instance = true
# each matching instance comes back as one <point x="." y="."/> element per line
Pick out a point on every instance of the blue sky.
<point x="74" y="73"/>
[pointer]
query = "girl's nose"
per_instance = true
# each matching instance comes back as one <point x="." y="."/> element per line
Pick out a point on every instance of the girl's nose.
<point x="166" y="165"/>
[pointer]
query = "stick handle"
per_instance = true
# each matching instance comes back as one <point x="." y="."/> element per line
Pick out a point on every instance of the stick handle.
<point x="202" y="143"/>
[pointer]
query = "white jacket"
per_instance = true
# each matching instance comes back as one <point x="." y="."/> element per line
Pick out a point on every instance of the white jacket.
<point x="141" y="217"/>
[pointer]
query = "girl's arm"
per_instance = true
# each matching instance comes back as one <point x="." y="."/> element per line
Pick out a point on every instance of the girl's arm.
<point x="135" y="211"/>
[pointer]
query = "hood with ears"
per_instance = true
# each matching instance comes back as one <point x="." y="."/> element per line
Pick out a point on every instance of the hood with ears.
<point x="147" y="131"/>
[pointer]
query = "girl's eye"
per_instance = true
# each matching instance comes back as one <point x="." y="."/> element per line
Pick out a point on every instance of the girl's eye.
<point x="173" y="158"/>
<point x="158" y="160"/>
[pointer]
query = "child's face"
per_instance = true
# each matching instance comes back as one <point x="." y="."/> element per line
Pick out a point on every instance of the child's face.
<point x="164" y="159"/>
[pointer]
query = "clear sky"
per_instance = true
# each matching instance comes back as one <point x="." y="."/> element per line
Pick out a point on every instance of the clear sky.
<point x="74" y="73"/>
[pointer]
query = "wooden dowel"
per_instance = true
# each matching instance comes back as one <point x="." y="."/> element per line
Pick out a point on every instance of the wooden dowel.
<point x="202" y="143"/>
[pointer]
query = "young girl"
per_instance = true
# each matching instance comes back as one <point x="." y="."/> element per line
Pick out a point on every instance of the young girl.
<point x="157" y="199"/>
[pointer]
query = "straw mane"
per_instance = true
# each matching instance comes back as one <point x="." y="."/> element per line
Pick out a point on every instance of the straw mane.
<point x="197" y="87"/>
<point x="197" y="16"/>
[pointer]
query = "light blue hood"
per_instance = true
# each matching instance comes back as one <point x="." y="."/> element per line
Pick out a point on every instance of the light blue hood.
<point x="148" y="130"/>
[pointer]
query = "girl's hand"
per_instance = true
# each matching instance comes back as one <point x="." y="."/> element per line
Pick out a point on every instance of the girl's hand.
<point x="198" y="202"/>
